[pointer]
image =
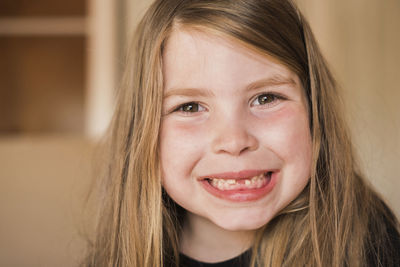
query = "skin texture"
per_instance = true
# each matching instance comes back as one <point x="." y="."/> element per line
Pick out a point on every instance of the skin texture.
<point x="229" y="130"/>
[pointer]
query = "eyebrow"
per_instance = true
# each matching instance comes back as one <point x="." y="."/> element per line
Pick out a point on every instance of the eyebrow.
<point x="188" y="92"/>
<point x="276" y="80"/>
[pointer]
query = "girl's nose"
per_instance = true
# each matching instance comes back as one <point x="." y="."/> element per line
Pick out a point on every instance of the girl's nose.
<point x="232" y="137"/>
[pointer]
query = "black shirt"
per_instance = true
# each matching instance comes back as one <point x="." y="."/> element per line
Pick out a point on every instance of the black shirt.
<point x="243" y="260"/>
<point x="391" y="257"/>
<point x="239" y="261"/>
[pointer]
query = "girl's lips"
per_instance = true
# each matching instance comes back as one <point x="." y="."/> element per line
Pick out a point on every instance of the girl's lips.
<point x="243" y="194"/>
<point x="245" y="174"/>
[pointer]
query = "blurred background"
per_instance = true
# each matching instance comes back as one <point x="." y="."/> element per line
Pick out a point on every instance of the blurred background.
<point x="60" y="62"/>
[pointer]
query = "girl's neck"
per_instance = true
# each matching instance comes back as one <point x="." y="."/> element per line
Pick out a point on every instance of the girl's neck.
<point x="202" y="240"/>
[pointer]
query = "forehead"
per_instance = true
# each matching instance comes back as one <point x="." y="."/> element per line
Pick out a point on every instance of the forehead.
<point x="192" y="55"/>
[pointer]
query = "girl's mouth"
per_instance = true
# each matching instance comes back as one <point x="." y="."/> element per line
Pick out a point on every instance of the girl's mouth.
<point x="237" y="189"/>
<point x="241" y="184"/>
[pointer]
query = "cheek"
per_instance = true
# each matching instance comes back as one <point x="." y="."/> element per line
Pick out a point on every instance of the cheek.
<point x="180" y="151"/>
<point x="180" y="146"/>
<point x="297" y="136"/>
<point x="179" y="138"/>
<point x="287" y="134"/>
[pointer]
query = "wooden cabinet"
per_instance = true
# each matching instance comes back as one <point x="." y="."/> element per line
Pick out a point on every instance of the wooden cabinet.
<point x="57" y="66"/>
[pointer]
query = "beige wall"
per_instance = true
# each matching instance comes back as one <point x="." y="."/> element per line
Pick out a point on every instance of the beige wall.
<point x="43" y="185"/>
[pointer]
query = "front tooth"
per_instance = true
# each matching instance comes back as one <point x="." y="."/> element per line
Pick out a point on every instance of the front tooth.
<point x="221" y="184"/>
<point x="231" y="181"/>
<point x="247" y="182"/>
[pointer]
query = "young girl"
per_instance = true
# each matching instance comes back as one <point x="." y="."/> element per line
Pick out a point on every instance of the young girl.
<point x="228" y="148"/>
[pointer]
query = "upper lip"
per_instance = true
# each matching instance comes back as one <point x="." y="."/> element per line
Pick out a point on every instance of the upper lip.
<point x="244" y="174"/>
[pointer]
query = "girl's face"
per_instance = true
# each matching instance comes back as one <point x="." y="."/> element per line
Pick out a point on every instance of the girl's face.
<point x="235" y="138"/>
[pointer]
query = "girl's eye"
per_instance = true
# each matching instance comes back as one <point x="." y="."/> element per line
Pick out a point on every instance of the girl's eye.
<point x="191" y="107"/>
<point x="265" y="99"/>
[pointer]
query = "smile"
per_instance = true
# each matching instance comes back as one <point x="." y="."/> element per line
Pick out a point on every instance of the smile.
<point x="243" y="186"/>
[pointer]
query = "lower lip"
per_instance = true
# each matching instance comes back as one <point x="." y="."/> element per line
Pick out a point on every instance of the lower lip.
<point x="242" y="195"/>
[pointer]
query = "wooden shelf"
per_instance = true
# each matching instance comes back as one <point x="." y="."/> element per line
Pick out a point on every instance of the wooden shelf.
<point x="43" y="26"/>
<point x="43" y="8"/>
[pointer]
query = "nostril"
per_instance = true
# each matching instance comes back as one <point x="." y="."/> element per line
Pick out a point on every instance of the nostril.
<point x="235" y="143"/>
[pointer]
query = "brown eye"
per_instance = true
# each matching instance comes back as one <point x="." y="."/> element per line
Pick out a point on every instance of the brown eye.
<point x="266" y="99"/>
<point x="189" y="107"/>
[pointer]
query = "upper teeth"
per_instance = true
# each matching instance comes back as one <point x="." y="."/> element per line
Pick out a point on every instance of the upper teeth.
<point x="224" y="184"/>
<point x="229" y="181"/>
<point x="234" y="181"/>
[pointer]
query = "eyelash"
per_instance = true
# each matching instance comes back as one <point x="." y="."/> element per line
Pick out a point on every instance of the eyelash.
<point x="275" y="98"/>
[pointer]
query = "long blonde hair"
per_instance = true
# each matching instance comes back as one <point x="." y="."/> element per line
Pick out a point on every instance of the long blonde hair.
<point x="329" y="224"/>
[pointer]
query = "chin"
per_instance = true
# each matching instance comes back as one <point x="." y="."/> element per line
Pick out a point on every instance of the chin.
<point x="242" y="223"/>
